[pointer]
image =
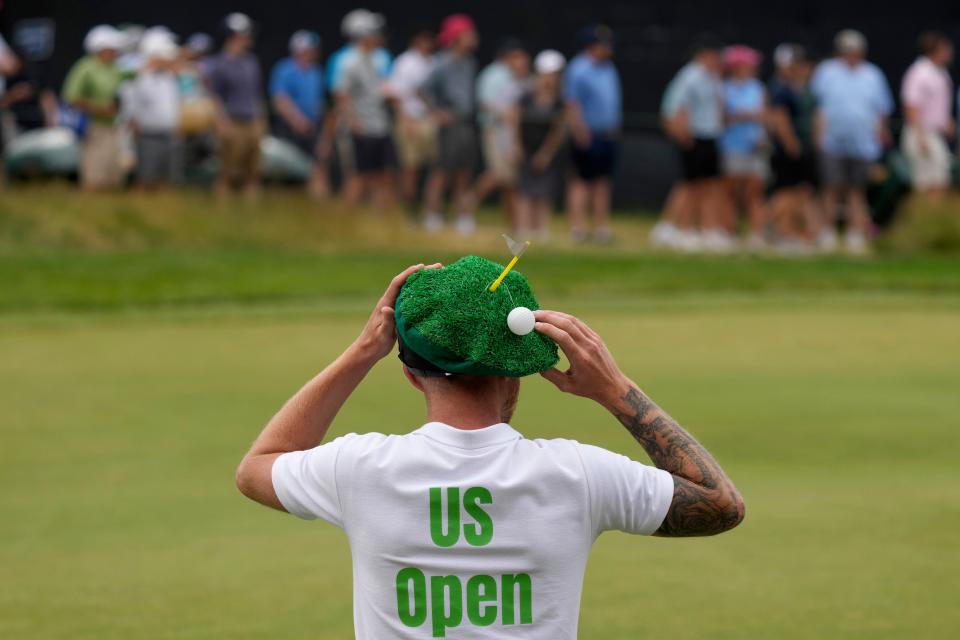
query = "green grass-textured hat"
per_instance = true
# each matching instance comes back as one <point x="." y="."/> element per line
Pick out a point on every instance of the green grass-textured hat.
<point x="451" y="319"/>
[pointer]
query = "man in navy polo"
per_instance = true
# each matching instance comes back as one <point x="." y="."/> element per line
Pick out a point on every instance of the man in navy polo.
<point x="594" y="96"/>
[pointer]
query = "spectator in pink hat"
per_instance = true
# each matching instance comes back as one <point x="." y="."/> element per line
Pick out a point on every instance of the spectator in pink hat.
<point x="744" y="144"/>
<point x="449" y="93"/>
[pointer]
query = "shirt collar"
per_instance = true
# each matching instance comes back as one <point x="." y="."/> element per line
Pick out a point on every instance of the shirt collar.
<point x="469" y="438"/>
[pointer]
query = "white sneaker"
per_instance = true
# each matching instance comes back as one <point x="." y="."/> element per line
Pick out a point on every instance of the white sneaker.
<point x="855" y="243"/>
<point x="718" y="241"/>
<point x="756" y="242"/>
<point x="466" y="224"/>
<point x="688" y="240"/>
<point x="827" y="240"/>
<point x="792" y="247"/>
<point x="664" y="235"/>
<point x="433" y="222"/>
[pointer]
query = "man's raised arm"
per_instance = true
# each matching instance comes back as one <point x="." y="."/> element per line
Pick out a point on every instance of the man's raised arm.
<point x="705" y="501"/>
<point x="303" y="421"/>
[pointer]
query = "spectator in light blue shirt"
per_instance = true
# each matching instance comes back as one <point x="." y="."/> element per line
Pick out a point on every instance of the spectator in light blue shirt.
<point x="743" y="144"/>
<point x="592" y="90"/>
<point x="854" y="101"/>
<point x="296" y="94"/>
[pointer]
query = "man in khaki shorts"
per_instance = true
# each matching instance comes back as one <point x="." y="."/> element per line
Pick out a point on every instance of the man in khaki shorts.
<point x="415" y="132"/>
<point x="499" y="89"/>
<point x="91" y="87"/>
<point x="235" y="81"/>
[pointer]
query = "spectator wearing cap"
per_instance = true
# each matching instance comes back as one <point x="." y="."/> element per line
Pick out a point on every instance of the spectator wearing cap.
<point x="414" y="131"/>
<point x="362" y="105"/>
<point x="542" y="130"/>
<point x="743" y="144"/>
<point x="297" y="97"/>
<point x="926" y="94"/>
<point x="234" y="78"/>
<point x="92" y="87"/>
<point x="449" y="92"/>
<point x="499" y="87"/>
<point x="793" y="207"/>
<point x="592" y="89"/>
<point x="854" y="102"/>
<point x="692" y="116"/>
<point x="152" y="101"/>
<point x="353" y="25"/>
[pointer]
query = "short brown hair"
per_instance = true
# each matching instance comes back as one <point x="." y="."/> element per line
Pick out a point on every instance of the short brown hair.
<point x="930" y="41"/>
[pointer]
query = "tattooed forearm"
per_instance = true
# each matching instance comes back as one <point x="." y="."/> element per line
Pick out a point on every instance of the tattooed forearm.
<point x="705" y="501"/>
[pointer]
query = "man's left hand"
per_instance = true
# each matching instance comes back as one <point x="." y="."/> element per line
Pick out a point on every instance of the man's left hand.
<point x="379" y="335"/>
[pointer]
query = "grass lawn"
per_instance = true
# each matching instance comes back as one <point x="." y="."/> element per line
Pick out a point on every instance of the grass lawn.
<point x="136" y="371"/>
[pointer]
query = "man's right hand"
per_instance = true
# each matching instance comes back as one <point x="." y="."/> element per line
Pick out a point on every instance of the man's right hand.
<point x="593" y="373"/>
<point x="705" y="501"/>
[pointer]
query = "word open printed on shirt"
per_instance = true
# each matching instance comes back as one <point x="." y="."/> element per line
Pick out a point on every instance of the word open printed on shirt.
<point x="445" y="599"/>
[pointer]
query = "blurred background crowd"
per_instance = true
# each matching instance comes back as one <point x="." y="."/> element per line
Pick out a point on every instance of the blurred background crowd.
<point x="778" y="163"/>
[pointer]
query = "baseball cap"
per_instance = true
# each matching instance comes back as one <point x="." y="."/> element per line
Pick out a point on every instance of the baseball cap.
<point x="453" y="27"/>
<point x="788" y="53"/>
<point x="361" y="22"/>
<point x="509" y="45"/>
<point x="200" y="42"/>
<point x="303" y="40"/>
<point x="850" y="41"/>
<point x="596" y="33"/>
<point x="236" y="23"/>
<point x="103" y="37"/>
<point x="159" y="45"/>
<point x="549" y="61"/>
<point x="741" y="54"/>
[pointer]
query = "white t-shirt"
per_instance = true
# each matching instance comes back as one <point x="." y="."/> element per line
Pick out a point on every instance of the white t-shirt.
<point x="410" y="71"/>
<point x="469" y="534"/>
<point x="153" y="102"/>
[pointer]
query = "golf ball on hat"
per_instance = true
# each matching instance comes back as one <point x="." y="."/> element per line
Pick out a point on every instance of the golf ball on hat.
<point x="520" y="320"/>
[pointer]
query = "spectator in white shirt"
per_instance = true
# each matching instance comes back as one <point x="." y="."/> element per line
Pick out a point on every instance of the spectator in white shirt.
<point x="500" y="86"/>
<point x="415" y="132"/>
<point x="153" y="104"/>
<point x="926" y="94"/>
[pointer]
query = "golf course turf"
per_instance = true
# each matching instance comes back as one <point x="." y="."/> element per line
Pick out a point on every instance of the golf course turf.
<point x="134" y="377"/>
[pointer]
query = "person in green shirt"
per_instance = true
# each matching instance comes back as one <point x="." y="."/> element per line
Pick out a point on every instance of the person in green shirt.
<point x="92" y="87"/>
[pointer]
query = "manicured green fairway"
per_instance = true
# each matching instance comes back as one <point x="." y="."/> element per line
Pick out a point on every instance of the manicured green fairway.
<point x="144" y="341"/>
<point x="837" y="417"/>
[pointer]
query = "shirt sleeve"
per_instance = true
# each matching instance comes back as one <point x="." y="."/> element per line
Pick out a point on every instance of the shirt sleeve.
<point x="674" y="98"/>
<point x="884" y="95"/>
<point x="571" y="84"/>
<point x="73" y="85"/>
<point x="625" y="495"/>
<point x="278" y="78"/>
<point x="306" y="482"/>
<point x="818" y="80"/>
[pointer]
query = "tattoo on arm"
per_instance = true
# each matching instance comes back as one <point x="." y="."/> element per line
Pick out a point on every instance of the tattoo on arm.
<point x="705" y="502"/>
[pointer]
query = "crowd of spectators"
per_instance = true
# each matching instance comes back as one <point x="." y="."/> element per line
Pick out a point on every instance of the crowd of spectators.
<point x="764" y="165"/>
<point x="383" y="127"/>
<point x="793" y="153"/>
